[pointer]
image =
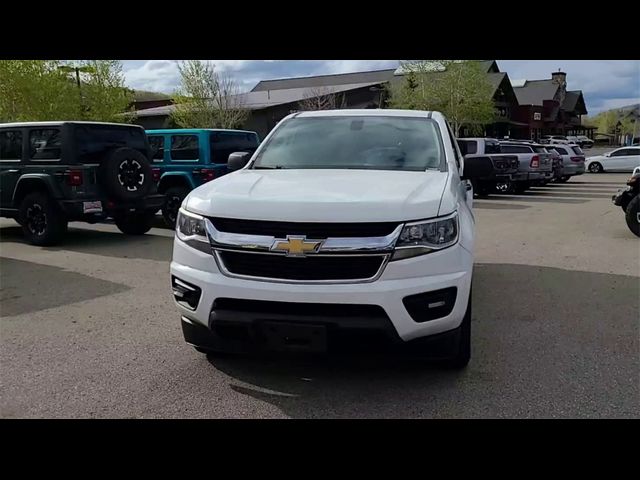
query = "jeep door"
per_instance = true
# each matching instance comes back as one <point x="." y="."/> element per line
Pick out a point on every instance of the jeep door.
<point x="11" y="146"/>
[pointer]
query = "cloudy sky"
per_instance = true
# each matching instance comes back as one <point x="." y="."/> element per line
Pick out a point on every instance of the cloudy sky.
<point x="605" y="83"/>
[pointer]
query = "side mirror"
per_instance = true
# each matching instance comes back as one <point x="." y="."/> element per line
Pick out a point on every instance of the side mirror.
<point x="477" y="166"/>
<point x="238" y="160"/>
<point x="608" y="154"/>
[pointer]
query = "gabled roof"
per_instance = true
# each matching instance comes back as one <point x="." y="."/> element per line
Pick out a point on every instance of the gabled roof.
<point x="495" y="79"/>
<point x="264" y="99"/>
<point x="534" y="92"/>
<point x="574" y="102"/>
<point x="490" y="66"/>
<point x="377" y="76"/>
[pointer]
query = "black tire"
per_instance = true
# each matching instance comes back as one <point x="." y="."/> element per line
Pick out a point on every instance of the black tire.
<point x="462" y="355"/>
<point x="174" y="198"/>
<point x="595" y="167"/>
<point x="126" y="174"/>
<point x="563" y="179"/>
<point x="134" y="223"/>
<point x="480" y="189"/>
<point x="42" y="221"/>
<point x="632" y="215"/>
<point x="521" y="187"/>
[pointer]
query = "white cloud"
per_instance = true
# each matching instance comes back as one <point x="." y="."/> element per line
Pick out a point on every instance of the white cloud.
<point x="154" y="75"/>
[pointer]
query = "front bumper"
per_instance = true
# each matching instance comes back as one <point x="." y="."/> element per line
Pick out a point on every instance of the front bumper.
<point x="451" y="267"/>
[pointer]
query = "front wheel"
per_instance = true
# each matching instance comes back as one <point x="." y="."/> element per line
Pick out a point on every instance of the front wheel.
<point x="134" y="223"/>
<point x="595" y="167"/>
<point x="42" y="221"/>
<point x="174" y="197"/>
<point x="632" y="215"/>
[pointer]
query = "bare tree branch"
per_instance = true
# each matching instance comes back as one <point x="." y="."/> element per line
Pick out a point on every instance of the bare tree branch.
<point x="207" y="99"/>
<point x="322" y="98"/>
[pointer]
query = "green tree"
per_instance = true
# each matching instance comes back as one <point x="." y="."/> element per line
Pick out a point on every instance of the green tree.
<point x="103" y="95"/>
<point x="207" y="99"/>
<point x="457" y="88"/>
<point x="36" y="90"/>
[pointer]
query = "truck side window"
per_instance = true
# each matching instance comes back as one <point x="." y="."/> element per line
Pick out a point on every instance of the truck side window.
<point x="470" y="147"/>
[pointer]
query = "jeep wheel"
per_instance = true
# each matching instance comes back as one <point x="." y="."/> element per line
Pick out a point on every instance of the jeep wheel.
<point x="134" y="223"/>
<point x="43" y="223"/>
<point x="632" y="215"/>
<point x="595" y="167"/>
<point x="126" y="174"/>
<point x="174" y="198"/>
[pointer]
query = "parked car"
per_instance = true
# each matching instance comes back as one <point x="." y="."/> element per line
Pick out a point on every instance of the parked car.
<point x="623" y="159"/>
<point x="187" y="158"/>
<point x="572" y="161"/>
<point x="629" y="200"/>
<point x="554" y="139"/>
<point x="535" y="165"/>
<point x="584" y="141"/>
<point x="343" y="226"/>
<point x="505" y="167"/>
<point x="55" y="172"/>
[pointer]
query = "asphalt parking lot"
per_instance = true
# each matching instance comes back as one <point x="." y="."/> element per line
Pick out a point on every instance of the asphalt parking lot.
<point x="89" y="329"/>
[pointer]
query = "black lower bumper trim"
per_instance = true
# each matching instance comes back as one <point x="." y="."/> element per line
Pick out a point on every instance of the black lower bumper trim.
<point x="241" y="338"/>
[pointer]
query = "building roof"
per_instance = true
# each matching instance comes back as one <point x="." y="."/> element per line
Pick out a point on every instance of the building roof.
<point x="534" y="92"/>
<point x="377" y="76"/>
<point x="574" y="102"/>
<point x="266" y="98"/>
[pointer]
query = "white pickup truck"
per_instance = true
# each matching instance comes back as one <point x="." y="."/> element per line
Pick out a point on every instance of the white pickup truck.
<point x="345" y="228"/>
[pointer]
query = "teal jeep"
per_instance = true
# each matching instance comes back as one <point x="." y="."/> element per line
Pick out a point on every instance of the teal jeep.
<point x="187" y="158"/>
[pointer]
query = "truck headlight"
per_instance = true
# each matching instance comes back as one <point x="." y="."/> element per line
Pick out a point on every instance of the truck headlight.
<point x="190" y="228"/>
<point x="419" y="238"/>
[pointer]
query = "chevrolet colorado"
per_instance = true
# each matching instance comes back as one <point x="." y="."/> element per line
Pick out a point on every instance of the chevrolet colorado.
<point x="342" y="227"/>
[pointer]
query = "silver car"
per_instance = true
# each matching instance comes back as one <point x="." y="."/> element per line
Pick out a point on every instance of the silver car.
<point x="572" y="160"/>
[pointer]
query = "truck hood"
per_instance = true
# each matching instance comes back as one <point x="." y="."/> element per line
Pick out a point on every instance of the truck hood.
<point x="321" y="195"/>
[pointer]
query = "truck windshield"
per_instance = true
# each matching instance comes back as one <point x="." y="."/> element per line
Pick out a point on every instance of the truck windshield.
<point x="354" y="142"/>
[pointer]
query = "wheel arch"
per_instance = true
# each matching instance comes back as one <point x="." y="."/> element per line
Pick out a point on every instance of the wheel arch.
<point x="30" y="183"/>
<point x="170" y="180"/>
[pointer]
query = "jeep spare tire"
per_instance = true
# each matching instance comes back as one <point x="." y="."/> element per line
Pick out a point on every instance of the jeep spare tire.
<point x="126" y="174"/>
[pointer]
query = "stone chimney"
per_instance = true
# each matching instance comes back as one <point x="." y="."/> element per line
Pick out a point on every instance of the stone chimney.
<point x="560" y="78"/>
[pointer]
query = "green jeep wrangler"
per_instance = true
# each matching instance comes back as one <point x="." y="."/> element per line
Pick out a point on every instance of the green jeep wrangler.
<point x="55" y="172"/>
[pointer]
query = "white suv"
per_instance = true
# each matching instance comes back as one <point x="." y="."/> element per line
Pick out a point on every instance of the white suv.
<point x="343" y="226"/>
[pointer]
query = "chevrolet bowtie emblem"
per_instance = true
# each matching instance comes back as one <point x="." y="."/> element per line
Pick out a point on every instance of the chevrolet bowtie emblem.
<point x="296" y="246"/>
